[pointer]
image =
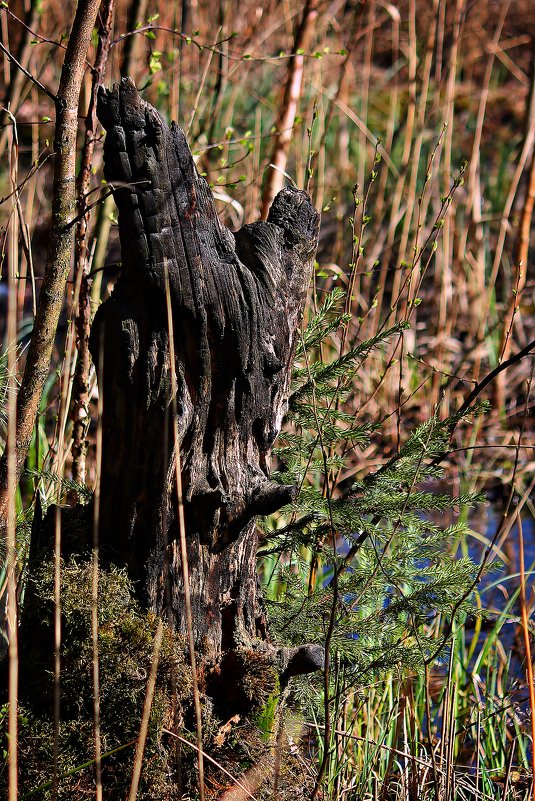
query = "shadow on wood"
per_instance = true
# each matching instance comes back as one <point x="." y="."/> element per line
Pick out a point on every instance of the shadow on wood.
<point x="237" y="303"/>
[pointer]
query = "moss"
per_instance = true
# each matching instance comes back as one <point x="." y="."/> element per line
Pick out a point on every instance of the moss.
<point x="261" y="685"/>
<point x="266" y="716"/>
<point x="126" y="641"/>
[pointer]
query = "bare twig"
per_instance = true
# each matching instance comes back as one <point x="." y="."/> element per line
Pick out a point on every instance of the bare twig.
<point x="11" y="540"/>
<point x="292" y="93"/>
<point x="212" y="760"/>
<point x="183" y="545"/>
<point x="28" y="74"/>
<point x="151" y="686"/>
<point x="14" y="89"/>
<point x="94" y="583"/>
<point x="60" y="242"/>
<point x="334" y="603"/>
<point x="137" y="12"/>
<point x="527" y="642"/>
<point x="520" y="265"/>
<point x="80" y="403"/>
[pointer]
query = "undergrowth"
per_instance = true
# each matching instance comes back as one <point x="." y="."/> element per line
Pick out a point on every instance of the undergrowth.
<point x="422" y="697"/>
<point x="361" y="565"/>
<point x="125" y="644"/>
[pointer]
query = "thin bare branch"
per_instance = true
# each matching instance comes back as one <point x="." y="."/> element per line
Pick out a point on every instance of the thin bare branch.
<point x="60" y="241"/>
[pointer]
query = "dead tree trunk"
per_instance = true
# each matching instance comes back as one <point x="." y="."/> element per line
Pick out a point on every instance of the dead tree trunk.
<point x="237" y="302"/>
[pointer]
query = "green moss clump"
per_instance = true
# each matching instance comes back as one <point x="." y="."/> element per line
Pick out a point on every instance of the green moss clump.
<point x="265" y="718"/>
<point x="126" y="643"/>
<point x="261" y="687"/>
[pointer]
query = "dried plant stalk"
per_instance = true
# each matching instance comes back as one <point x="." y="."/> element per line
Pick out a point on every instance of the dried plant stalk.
<point x="292" y="93"/>
<point x="80" y="401"/>
<point x="60" y="247"/>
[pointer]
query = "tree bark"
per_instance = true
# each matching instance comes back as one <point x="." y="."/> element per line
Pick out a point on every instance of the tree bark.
<point x="80" y="399"/>
<point x="237" y="302"/>
<point x="58" y="260"/>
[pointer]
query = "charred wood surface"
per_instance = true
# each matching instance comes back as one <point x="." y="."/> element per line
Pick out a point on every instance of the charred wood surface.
<point x="237" y="302"/>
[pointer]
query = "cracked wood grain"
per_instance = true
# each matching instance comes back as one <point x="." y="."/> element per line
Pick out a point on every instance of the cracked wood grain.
<point x="237" y="302"/>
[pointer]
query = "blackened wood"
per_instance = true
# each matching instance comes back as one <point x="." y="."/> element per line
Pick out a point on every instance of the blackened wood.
<point x="237" y="302"/>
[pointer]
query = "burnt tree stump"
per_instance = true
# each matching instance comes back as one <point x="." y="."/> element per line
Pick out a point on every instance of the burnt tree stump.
<point x="237" y="302"/>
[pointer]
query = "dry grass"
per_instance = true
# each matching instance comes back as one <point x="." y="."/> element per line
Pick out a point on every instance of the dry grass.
<point x="425" y="86"/>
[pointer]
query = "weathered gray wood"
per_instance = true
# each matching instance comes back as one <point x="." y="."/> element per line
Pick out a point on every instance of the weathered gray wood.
<point x="237" y="302"/>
